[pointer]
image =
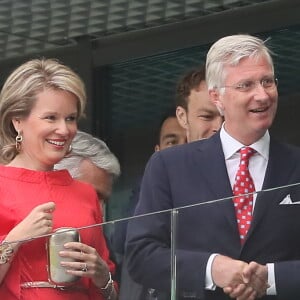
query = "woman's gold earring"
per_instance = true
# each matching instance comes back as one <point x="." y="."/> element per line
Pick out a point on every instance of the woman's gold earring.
<point x="19" y="139"/>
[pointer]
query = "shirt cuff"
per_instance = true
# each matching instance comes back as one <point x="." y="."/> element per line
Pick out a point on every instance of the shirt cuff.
<point x="209" y="284"/>
<point x="271" y="280"/>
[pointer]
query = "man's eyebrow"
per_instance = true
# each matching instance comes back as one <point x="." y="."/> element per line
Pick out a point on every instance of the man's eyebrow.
<point x="205" y="110"/>
<point x="169" y="135"/>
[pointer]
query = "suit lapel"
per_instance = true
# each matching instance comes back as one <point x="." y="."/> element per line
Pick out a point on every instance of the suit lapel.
<point x="216" y="176"/>
<point x="278" y="170"/>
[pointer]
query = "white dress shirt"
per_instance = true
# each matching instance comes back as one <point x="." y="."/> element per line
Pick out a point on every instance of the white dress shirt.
<point x="257" y="168"/>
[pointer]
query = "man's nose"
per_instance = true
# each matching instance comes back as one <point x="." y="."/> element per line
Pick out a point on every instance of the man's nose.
<point x="260" y="91"/>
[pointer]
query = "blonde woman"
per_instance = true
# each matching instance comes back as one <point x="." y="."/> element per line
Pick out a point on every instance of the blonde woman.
<point x="40" y="105"/>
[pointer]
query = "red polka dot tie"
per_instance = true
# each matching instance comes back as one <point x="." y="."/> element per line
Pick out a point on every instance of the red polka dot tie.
<point x="243" y="203"/>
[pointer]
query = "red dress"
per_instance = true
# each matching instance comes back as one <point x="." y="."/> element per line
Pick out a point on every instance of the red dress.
<point x="77" y="205"/>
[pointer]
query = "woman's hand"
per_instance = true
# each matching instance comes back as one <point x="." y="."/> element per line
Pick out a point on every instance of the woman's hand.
<point x="88" y="263"/>
<point x="38" y="222"/>
<point x="85" y="262"/>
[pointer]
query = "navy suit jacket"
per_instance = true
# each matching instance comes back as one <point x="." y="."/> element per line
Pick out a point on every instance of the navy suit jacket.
<point x="196" y="173"/>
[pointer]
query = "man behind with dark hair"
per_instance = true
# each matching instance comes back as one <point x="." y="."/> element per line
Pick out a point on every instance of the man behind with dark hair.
<point x="169" y="133"/>
<point x="195" y="112"/>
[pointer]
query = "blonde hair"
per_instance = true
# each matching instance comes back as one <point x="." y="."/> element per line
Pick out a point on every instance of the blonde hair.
<point x="19" y="92"/>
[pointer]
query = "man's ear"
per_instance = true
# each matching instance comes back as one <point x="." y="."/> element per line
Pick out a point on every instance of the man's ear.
<point x="156" y="148"/>
<point x="215" y="96"/>
<point x="181" y="117"/>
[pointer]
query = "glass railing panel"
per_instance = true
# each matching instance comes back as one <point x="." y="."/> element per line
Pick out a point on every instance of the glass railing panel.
<point x="168" y="254"/>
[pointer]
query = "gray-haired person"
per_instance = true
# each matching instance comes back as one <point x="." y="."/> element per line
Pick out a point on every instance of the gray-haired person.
<point x="90" y="160"/>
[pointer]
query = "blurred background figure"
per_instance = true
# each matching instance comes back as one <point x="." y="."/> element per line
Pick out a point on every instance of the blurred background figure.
<point x="92" y="161"/>
<point x="195" y="111"/>
<point x="169" y="134"/>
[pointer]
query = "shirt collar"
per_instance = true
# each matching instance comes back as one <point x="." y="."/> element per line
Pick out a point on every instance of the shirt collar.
<point x="231" y="146"/>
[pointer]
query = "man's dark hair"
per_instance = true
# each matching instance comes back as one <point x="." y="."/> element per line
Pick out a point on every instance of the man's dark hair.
<point x="189" y="81"/>
<point x="171" y="113"/>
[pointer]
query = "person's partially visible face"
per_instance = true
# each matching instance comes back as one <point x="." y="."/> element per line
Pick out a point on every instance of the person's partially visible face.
<point x="248" y="114"/>
<point x="171" y="134"/>
<point x="48" y="130"/>
<point x="201" y="119"/>
<point x="100" y="179"/>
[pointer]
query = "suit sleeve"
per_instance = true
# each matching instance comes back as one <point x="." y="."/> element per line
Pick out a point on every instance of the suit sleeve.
<point x="287" y="279"/>
<point x="148" y="239"/>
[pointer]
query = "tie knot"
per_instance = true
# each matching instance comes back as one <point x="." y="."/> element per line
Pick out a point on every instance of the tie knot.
<point x="246" y="153"/>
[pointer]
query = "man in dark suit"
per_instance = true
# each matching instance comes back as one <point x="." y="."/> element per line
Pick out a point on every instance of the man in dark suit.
<point x="214" y="260"/>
